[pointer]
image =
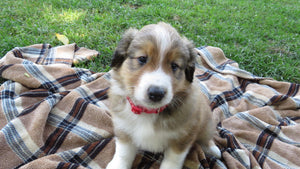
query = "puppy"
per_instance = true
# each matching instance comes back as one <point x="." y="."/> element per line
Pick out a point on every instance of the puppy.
<point x="155" y="104"/>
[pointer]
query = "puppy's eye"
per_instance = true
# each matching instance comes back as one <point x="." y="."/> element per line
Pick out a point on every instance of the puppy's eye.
<point x="174" y="66"/>
<point x="142" y="60"/>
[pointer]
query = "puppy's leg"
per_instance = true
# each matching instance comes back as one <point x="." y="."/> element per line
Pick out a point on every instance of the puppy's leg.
<point x="173" y="159"/>
<point x="124" y="155"/>
<point x="205" y="140"/>
<point x="211" y="149"/>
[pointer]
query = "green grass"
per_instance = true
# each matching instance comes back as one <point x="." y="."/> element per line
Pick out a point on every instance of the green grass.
<point x="261" y="35"/>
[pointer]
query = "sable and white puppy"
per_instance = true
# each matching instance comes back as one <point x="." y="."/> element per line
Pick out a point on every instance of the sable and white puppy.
<point x="155" y="105"/>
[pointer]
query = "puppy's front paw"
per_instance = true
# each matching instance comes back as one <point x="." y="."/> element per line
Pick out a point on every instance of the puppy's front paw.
<point x="117" y="164"/>
<point x="170" y="165"/>
<point x="212" y="150"/>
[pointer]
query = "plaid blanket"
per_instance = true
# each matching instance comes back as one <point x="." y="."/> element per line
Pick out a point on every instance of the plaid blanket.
<point x="53" y="115"/>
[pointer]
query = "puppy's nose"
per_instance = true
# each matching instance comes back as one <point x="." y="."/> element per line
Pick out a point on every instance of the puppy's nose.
<point x="156" y="93"/>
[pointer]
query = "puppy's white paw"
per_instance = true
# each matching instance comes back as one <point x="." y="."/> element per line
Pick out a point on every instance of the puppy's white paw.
<point x="124" y="156"/>
<point x="168" y="165"/>
<point x="212" y="150"/>
<point x="117" y="164"/>
<point x="215" y="151"/>
<point x="173" y="159"/>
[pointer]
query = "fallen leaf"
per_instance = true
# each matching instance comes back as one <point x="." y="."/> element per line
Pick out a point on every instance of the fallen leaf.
<point x="62" y="38"/>
<point x="26" y="74"/>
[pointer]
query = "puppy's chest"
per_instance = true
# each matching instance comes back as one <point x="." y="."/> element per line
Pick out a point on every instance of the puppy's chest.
<point x="145" y="135"/>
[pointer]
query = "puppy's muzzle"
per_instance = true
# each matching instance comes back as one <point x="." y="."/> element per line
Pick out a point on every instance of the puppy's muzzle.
<point x="156" y="93"/>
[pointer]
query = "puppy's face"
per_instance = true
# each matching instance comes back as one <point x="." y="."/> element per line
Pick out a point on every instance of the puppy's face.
<point x="154" y="64"/>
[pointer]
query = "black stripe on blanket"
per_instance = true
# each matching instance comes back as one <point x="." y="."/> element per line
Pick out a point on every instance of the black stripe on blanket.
<point x="3" y="68"/>
<point x="29" y="109"/>
<point x="264" y="143"/>
<point x="95" y="148"/>
<point x="91" y="151"/>
<point x="17" y="53"/>
<point x="223" y="65"/>
<point x="231" y="140"/>
<point x="205" y="164"/>
<point x="233" y="94"/>
<point x="36" y="93"/>
<point x="6" y="94"/>
<point x="277" y="98"/>
<point x="69" y="79"/>
<point x="42" y="52"/>
<point x="100" y="95"/>
<point x="148" y="159"/>
<point x="293" y="90"/>
<point x="56" y="139"/>
<point x="63" y="165"/>
<point x="206" y="75"/>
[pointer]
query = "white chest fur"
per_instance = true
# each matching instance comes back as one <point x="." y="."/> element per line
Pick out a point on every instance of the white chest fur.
<point x="142" y="131"/>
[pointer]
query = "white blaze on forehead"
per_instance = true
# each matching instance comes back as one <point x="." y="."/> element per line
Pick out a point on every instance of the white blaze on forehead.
<point x="157" y="78"/>
<point x="163" y="40"/>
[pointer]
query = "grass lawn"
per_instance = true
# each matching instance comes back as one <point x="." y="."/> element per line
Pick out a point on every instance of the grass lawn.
<point x="261" y="35"/>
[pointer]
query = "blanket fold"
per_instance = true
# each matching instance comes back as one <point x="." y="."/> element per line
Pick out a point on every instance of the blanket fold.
<point x="53" y="115"/>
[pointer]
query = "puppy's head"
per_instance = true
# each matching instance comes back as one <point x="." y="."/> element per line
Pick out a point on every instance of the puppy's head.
<point x="154" y="64"/>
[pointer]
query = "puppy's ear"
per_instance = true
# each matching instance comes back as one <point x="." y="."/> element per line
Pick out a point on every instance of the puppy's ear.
<point x="120" y="53"/>
<point x="190" y="69"/>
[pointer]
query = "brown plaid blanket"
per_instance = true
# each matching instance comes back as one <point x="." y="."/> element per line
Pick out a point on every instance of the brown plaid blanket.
<point x="53" y="115"/>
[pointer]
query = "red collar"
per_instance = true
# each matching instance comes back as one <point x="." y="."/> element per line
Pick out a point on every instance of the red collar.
<point x="139" y="109"/>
